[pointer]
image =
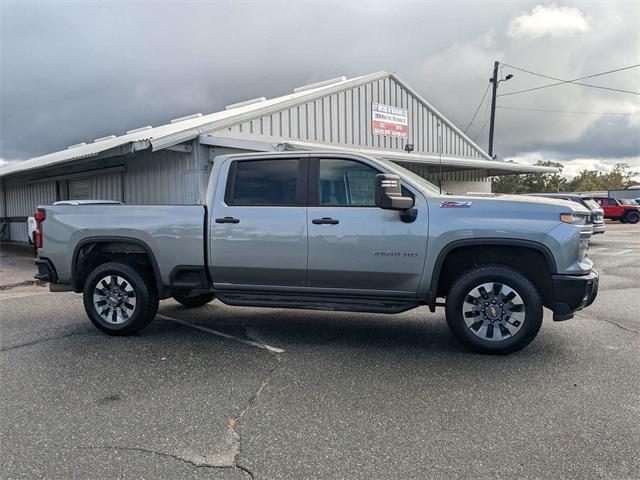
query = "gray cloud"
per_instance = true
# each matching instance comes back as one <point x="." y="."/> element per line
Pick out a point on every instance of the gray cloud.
<point x="72" y="72"/>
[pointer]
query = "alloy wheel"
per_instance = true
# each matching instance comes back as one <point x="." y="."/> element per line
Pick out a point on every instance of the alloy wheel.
<point x="114" y="299"/>
<point x="493" y="311"/>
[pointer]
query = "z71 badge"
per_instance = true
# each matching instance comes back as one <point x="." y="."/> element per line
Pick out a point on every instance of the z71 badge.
<point x="454" y="204"/>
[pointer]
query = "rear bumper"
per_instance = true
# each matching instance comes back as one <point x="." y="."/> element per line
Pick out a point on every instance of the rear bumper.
<point x="572" y="293"/>
<point x="46" y="271"/>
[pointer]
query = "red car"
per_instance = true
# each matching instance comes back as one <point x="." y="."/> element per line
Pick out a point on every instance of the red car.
<point x="616" y="209"/>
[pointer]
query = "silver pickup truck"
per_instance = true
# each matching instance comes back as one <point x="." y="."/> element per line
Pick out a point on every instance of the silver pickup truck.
<point x="328" y="231"/>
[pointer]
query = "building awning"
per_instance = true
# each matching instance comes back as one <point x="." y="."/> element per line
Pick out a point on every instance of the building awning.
<point x="448" y="164"/>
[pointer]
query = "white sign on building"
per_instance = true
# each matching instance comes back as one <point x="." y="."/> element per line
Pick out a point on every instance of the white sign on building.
<point x="388" y="120"/>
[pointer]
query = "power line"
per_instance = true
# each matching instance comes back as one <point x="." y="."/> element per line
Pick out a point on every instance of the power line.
<point x="567" y="111"/>
<point x="485" y="113"/>
<point x="481" y="129"/>
<point x="484" y="95"/>
<point x="574" y="81"/>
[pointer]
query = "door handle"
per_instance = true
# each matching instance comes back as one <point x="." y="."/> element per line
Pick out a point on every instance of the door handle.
<point x="325" y="221"/>
<point x="227" y="220"/>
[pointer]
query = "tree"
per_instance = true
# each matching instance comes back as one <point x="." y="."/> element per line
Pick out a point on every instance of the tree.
<point x="532" y="182"/>
<point x="621" y="176"/>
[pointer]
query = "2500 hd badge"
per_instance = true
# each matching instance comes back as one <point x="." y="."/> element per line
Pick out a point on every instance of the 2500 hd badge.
<point x="395" y="254"/>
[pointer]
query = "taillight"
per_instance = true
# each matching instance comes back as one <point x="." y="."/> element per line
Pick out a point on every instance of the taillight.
<point x="40" y="216"/>
<point x="37" y="238"/>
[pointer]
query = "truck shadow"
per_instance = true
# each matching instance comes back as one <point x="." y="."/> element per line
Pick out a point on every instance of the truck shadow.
<point x="418" y="331"/>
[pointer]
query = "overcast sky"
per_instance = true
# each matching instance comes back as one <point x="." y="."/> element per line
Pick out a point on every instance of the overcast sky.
<point x="72" y="72"/>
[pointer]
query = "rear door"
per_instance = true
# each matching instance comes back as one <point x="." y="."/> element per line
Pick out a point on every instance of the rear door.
<point x="259" y="224"/>
<point x="353" y="245"/>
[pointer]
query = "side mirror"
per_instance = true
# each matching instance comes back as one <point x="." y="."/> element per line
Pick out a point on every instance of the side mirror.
<point x="389" y="193"/>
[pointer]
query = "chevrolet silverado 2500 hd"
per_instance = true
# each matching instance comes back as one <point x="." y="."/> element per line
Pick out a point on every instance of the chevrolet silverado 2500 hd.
<point x="330" y="231"/>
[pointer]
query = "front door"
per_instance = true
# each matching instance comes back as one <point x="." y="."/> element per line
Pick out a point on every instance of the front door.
<point x="259" y="225"/>
<point x="354" y="245"/>
<point x="615" y="209"/>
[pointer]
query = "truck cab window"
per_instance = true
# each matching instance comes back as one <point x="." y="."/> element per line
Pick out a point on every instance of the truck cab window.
<point x="345" y="183"/>
<point x="263" y="183"/>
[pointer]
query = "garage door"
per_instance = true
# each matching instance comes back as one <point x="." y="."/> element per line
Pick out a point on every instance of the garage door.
<point x="80" y="189"/>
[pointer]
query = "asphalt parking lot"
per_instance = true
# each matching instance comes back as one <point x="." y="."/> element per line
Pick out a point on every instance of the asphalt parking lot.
<point x="236" y="393"/>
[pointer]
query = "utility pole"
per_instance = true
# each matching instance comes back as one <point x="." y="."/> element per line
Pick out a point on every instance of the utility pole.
<point x="495" y="81"/>
<point x="494" y="90"/>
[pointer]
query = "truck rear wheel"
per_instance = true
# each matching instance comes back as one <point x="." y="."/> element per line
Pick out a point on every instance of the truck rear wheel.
<point x="494" y="309"/>
<point x="118" y="299"/>
<point x="188" y="300"/>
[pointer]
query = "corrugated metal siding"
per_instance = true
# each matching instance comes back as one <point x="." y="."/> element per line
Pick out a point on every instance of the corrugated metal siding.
<point x="344" y="118"/>
<point x="107" y="187"/>
<point x="18" y="232"/>
<point x="159" y="177"/>
<point x="626" y="193"/>
<point x="22" y="200"/>
<point x="2" y="197"/>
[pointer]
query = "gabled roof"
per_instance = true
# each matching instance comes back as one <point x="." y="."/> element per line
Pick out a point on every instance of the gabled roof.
<point x="190" y="127"/>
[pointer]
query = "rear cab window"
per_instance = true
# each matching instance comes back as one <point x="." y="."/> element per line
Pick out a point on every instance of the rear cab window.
<point x="266" y="183"/>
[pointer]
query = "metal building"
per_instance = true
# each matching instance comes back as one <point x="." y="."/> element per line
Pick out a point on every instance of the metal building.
<point x="630" y="193"/>
<point x="377" y="114"/>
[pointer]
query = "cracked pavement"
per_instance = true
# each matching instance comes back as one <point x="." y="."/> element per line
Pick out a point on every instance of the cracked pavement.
<point x="352" y="395"/>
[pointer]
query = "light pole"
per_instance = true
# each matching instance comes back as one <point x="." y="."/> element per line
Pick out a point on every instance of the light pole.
<point x="494" y="80"/>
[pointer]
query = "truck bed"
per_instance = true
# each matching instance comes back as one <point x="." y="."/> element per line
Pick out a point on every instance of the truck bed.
<point x="174" y="234"/>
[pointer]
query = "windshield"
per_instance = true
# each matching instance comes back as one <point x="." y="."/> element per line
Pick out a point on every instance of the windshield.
<point x="624" y="201"/>
<point x="412" y="177"/>
<point x="591" y="204"/>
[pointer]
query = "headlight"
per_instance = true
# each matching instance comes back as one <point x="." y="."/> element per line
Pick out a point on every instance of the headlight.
<point x="574" y="218"/>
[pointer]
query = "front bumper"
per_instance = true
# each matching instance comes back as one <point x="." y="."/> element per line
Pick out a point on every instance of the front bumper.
<point x="599" y="228"/>
<point x="573" y="292"/>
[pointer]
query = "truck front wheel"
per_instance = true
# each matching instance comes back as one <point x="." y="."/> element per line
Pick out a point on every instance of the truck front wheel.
<point x="118" y="299"/>
<point x="494" y="309"/>
<point x="188" y="300"/>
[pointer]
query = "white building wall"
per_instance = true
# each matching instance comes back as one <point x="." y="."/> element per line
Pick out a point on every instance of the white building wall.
<point x="344" y="118"/>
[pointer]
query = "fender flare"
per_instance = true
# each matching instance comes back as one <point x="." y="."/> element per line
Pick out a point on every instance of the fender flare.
<point x="103" y="239"/>
<point x="488" y="241"/>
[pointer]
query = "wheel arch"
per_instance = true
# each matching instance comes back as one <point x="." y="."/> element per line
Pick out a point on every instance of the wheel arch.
<point x="114" y="245"/>
<point x="514" y="251"/>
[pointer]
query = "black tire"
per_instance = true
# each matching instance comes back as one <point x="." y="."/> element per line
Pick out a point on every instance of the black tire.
<point x="470" y="336"/>
<point x="632" y="217"/>
<point x="192" y="301"/>
<point x="145" y="295"/>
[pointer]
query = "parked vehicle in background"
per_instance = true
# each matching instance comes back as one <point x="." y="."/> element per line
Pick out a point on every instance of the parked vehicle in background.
<point x="327" y="231"/>
<point x="597" y="213"/>
<point x="615" y="209"/>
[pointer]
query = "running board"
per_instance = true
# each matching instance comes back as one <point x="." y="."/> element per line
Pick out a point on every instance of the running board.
<point x="316" y="302"/>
